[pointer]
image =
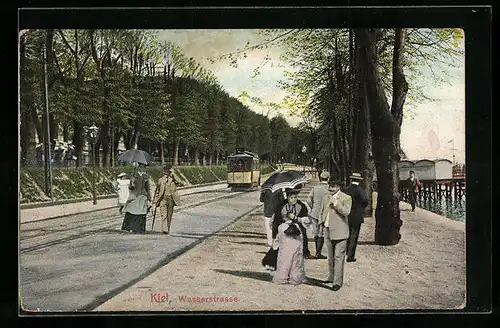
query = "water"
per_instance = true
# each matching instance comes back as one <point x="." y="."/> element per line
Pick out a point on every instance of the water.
<point x="451" y="208"/>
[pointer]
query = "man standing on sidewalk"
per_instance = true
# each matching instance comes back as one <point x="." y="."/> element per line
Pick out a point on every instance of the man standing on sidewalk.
<point x="334" y="211"/>
<point x="315" y="199"/>
<point x="357" y="215"/>
<point x="413" y="185"/>
<point x="166" y="197"/>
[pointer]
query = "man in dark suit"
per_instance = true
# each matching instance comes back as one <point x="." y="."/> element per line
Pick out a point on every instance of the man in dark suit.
<point x="413" y="185"/>
<point x="356" y="216"/>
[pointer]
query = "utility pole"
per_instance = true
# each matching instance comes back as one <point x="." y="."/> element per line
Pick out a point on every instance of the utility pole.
<point x="112" y="146"/>
<point x="48" y="157"/>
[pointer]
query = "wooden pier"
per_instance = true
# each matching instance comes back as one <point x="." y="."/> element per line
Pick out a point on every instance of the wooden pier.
<point x="436" y="189"/>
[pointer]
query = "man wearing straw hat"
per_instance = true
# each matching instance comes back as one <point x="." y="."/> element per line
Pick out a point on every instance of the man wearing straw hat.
<point x="356" y="217"/>
<point x="166" y="197"/>
<point x="334" y="211"/>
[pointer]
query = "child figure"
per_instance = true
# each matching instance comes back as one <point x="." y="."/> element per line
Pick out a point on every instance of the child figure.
<point x="289" y="241"/>
<point x="122" y="188"/>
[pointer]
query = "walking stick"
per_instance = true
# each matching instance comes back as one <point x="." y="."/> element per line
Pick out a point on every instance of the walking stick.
<point x="154" y="213"/>
<point x="154" y="217"/>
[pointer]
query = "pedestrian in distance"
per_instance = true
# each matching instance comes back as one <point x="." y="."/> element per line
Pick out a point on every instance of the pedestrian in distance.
<point x="166" y="197"/>
<point x="357" y="214"/>
<point x="139" y="201"/>
<point x="289" y="243"/>
<point x="413" y="184"/>
<point x="315" y="199"/>
<point x="122" y="184"/>
<point x="334" y="212"/>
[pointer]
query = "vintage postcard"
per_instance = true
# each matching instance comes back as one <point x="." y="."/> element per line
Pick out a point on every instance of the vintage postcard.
<point x="229" y="170"/>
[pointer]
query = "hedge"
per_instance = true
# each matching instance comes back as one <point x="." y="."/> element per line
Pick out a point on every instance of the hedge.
<point x="71" y="183"/>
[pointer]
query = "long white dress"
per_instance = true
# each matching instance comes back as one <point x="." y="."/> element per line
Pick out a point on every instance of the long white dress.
<point x="121" y="187"/>
<point x="290" y="265"/>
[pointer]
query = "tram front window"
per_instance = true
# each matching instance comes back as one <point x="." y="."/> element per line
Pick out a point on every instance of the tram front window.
<point x="237" y="165"/>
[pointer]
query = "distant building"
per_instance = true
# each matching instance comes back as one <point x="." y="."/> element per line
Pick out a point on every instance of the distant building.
<point x="425" y="169"/>
<point x="444" y="169"/>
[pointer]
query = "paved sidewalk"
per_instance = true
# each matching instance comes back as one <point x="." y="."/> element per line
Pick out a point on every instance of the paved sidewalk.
<point x="426" y="270"/>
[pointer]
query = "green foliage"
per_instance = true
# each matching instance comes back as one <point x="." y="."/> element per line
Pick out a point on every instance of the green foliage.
<point x="72" y="183"/>
<point x="111" y="78"/>
<point x="198" y="174"/>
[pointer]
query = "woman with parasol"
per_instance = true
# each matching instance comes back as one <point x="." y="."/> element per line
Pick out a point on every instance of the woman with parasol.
<point x="139" y="200"/>
<point x="289" y="243"/>
<point x="286" y="201"/>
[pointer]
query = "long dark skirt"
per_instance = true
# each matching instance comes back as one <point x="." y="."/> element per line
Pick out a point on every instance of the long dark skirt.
<point x="271" y="258"/>
<point x="135" y="223"/>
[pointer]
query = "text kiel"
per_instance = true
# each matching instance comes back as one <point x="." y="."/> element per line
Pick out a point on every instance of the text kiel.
<point x="159" y="297"/>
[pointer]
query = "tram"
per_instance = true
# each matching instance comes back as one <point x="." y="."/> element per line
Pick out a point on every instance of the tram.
<point x="243" y="171"/>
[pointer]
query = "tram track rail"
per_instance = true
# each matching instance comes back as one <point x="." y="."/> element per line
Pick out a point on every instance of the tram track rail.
<point x="97" y="225"/>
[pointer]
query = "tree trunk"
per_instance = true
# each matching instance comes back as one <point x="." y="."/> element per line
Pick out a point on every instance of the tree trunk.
<point x="176" y="153"/>
<point x="106" y="142"/>
<point x="362" y="160"/>
<point x="37" y="122"/>
<point x="345" y="153"/>
<point x="331" y="160"/>
<point x="27" y="136"/>
<point x="27" y="139"/>
<point x="97" y="148"/>
<point x="196" y="156"/>
<point x="385" y="134"/>
<point x="54" y="128"/>
<point x="134" y="140"/>
<point x="65" y="132"/>
<point x="78" y="142"/>
<point x="162" y="154"/>
<point x="116" y="143"/>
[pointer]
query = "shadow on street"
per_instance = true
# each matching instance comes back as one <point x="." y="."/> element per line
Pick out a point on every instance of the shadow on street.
<point x="366" y="242"/>
<point x="316" y="283"/>
<point x="248" y="243"/>
<point x="246" y="232"/>
<point x="240" y="236"/>
<point x="262" y="276"/>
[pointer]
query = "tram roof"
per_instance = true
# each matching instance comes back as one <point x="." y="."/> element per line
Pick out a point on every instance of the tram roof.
<point x="243" y="154"/>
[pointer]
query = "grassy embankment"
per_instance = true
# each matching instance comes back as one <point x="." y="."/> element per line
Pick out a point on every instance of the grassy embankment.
<point x="72" y="183"/>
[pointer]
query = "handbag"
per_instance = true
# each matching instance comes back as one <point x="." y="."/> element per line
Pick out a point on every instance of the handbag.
<point x="271" y="258"/>
<point x="292" y="230"/>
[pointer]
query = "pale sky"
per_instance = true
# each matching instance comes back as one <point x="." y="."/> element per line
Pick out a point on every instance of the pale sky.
<point x="425" y="133"/>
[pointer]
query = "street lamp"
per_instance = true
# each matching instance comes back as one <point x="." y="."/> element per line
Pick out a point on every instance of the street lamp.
<point x="304" y="149"/>
<point x="92" y="133"/>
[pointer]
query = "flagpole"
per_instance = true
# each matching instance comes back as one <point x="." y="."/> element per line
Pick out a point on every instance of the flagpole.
<point x="453" y="151"/>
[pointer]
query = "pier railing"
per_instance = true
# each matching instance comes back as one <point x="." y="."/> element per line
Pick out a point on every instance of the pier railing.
<point x="435" y="189"/>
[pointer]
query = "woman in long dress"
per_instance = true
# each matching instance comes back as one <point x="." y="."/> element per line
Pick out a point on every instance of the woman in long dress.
<point x="138" y="203"/>
<point x="289" y="242"/>
<point x="281" y="200"/>
<point x="302" y="214"/>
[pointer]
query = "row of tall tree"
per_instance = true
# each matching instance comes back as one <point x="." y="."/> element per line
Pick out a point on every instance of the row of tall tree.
<point x="353" y="86"/>
<point x="138" y="89"/>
